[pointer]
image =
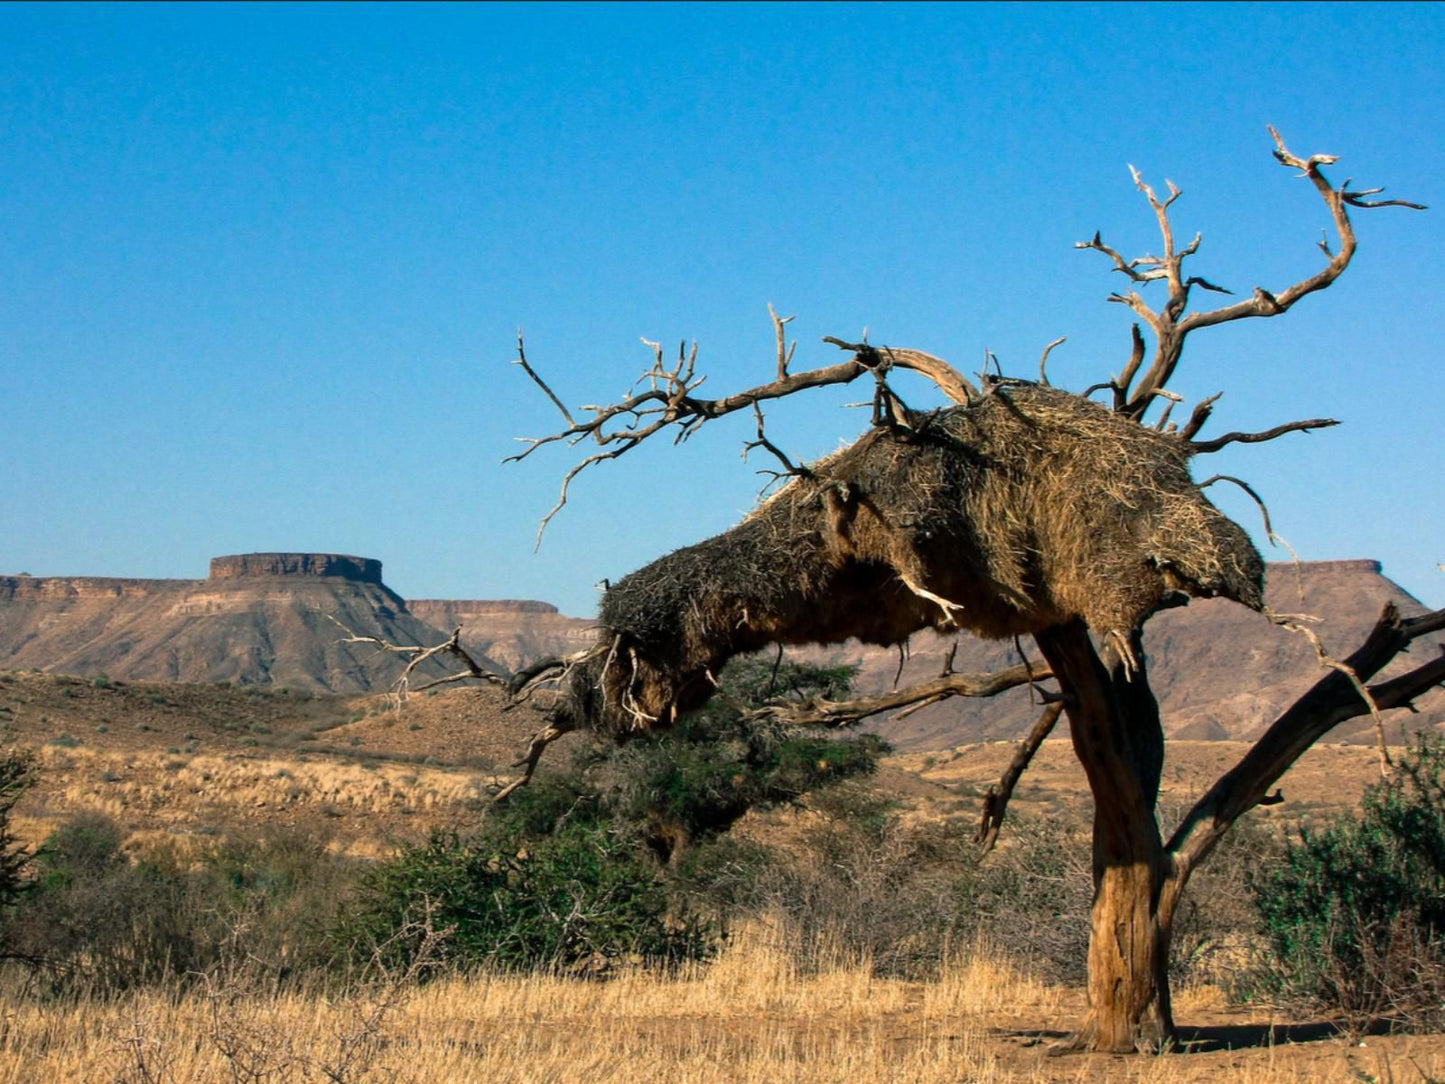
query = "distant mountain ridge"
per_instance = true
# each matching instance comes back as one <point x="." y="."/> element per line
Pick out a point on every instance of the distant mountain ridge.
<point x="1219" y="670"/>
<point x="258" y="619"/>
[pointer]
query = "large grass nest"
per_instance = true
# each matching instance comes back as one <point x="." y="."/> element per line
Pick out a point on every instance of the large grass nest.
<point x="1005" y="517"/>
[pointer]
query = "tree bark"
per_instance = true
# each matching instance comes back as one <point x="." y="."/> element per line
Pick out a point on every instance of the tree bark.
<point x="1114" y="723"/>
<point x="1138" y="880"/>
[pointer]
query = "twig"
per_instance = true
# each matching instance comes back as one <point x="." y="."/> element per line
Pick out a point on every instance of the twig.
<point x="1044" y="361"/>
<point x="1258" y="500"/>
<point x="1202" y="447"/>
<point x="790" y="469"/>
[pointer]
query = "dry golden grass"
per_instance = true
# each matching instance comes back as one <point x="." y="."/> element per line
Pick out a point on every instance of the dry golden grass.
<point x="747" y="1017"/>
<point x="363" y="804"/>
<point x="1327" y="779"/>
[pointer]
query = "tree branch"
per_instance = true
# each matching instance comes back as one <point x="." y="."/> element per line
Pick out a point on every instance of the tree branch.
<point x="1170" y="324"/>
<point x="417" y="655"/>
<point x="1044" y="361"/>
<point x="790" y="469"/>
<point x="1203" y="447"/>
<point x="1199" y="416"/>
<point x="1332" y="700"/>
<point x="995" y="802"/>
<point x="1258" y="500"/>
<point x="839" y="713"/>
<point x="540" y="740"/>
<point x="668" y="399"/>
<point x="948" y="379"/>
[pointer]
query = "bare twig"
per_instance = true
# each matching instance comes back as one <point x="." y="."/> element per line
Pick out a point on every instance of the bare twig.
<point x="790" y="469"/>
<point x="1201" y="447"/>
<point x="1044" y="361"/>
<point x="1258" y="500"/>
<point x="543" y="738"/>
<point x="522" y="361"/>
<point x="1293" y="623"/>
<point x="785" y="352"/>
<point x="1199" y="416"/>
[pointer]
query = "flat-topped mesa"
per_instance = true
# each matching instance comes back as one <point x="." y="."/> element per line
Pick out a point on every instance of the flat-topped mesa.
<point x="1355" y="565"/>
<point x="336" y="565"/>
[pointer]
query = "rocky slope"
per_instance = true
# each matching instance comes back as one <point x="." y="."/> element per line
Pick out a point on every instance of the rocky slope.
<point x="259" y="619"/>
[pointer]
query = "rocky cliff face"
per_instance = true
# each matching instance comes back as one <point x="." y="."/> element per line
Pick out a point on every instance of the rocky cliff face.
<point x="62" y="588"/>
<point x="268" y="619"/>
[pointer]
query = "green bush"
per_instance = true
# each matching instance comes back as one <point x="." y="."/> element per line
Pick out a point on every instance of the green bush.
<point x="581" y="896"/>
<point x="1355" y="911"/>
<point x="567" y="872"/>
<point x="95" y="918"/>
<point x="697" y="780"/>
<point x="694" y="781"/>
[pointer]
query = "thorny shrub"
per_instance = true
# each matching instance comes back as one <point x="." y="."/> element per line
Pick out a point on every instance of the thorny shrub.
<point x="1355" y="911"/>
<point x="575" y="871"/>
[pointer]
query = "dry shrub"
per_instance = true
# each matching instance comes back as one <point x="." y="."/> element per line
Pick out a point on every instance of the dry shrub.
<point x="98" y="920"/>
<point x="862" y="885"/>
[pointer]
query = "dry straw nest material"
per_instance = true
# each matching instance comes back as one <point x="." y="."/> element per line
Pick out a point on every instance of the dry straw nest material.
<point x="1004" y="517"/>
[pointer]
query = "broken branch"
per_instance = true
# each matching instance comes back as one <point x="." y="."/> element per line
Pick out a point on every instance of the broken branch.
<point x="995" y="802"/>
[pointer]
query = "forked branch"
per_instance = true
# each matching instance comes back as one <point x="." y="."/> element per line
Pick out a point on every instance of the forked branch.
<point x="665" y="398"/>
<point x="1332" y="700"/>
<point x="417" y="656"/>
<point x="1201" y="447"/>
<point x="1170" y="323"/>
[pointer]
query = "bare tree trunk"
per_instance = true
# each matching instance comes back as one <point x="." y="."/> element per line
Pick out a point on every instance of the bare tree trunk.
<point x="1114" y="721"/>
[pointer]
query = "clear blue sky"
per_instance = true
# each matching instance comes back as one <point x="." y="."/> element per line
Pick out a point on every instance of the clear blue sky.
<point x="262" y="267"/>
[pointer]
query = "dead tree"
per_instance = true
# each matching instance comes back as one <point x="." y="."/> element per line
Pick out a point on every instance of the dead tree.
<point x="1019" y="510"/>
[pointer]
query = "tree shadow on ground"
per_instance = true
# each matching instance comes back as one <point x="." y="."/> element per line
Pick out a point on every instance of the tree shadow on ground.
<point x="1216" y="1037"/>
